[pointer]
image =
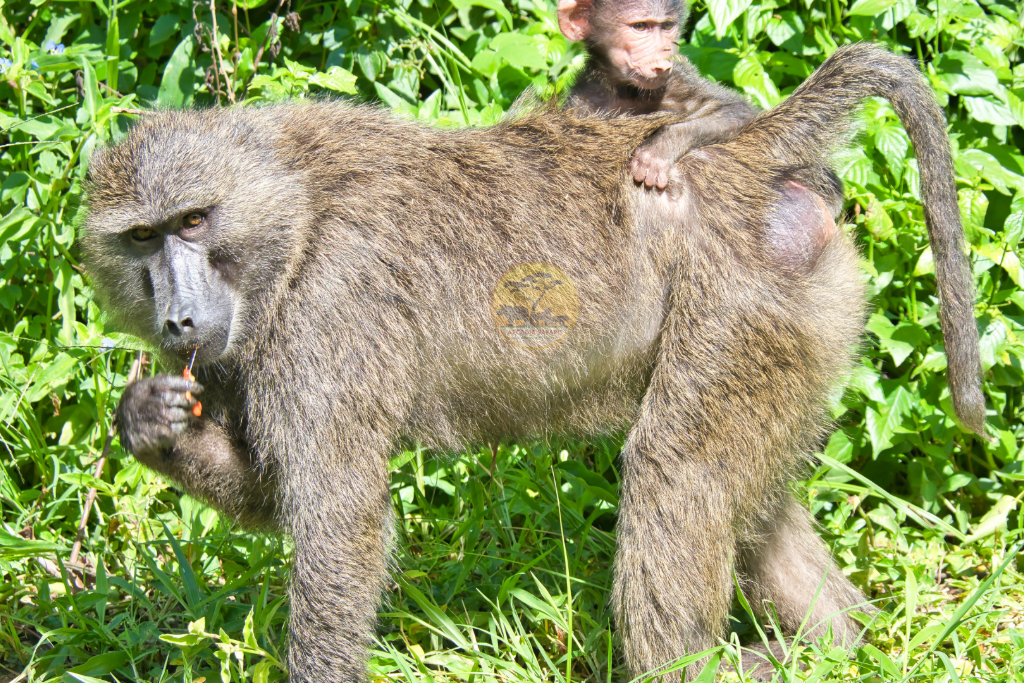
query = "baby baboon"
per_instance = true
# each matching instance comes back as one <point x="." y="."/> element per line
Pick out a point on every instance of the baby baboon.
<point x="634" y="67"/>
<point x="335" y="315"/>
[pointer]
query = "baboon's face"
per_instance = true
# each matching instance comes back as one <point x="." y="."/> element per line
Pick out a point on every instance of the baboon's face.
<point x="185" y="222"/>
<point x="639" y="38"/>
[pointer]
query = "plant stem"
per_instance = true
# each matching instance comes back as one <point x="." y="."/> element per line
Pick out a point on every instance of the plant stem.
<point x="568" y="584"/>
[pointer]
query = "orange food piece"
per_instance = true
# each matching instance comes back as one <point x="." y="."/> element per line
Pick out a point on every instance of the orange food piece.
<point x="197" y="409"/>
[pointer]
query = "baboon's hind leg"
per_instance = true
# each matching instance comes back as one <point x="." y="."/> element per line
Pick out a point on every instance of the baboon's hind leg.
<point x="673" y="565"/>
<point x="792" y="568"/>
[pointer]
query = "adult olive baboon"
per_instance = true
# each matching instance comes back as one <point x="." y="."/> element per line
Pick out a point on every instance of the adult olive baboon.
<point x="334" y="267"/>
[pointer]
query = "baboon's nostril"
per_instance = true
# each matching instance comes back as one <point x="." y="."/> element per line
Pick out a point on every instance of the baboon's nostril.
<point x="178" y="328"/>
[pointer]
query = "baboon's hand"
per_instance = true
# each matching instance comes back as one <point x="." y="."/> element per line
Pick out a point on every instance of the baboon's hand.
<point x="153" y="412"/>
<point x="651" y="163"/>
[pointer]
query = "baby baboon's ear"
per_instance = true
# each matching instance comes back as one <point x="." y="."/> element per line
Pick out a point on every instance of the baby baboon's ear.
<point x="574" y="19"/>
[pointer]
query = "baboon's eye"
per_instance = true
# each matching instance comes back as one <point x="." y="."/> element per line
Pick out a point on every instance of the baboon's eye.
<point x="668" y="26"/>
<point x="143" y="234"/>
<point x="193" y="220"/>
<point x="640" y="26"/>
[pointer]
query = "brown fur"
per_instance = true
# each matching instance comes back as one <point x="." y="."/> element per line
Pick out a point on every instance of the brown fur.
<point x="359" y="253"/>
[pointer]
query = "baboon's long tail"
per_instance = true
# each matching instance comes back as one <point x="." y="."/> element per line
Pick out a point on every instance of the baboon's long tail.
<point x="807" y="127"/>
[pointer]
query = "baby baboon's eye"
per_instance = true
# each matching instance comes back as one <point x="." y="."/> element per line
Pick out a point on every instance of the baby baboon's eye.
<point x="193" y="220"/>
<point x="668" y="26"/>
<point x="640" y="26"/>
<point x="143" y="234"/>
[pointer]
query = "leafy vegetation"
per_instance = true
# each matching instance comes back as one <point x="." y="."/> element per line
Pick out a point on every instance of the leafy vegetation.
<point x="504" y="567"/>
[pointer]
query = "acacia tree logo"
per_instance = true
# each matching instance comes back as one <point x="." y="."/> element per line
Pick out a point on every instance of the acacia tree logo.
<point x="534" y="305"/>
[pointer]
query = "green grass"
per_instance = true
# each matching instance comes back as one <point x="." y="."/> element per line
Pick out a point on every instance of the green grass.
<point x="503" y="567"/>
<point x="481" y="589"/>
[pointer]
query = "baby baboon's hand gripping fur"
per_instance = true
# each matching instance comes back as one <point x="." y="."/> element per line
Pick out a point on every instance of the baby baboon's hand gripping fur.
<point x="336" y="315"/>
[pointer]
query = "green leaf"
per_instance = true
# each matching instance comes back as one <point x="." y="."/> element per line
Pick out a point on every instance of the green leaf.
<point x="954" y="677"/>
<point x="64" y="282"/>
<point x="886" y="664"/>
<point x="923" y="635"/>
<point x="910" y="593"/>
<point x="877" y="220"/>
<point x="867" y="381"/>
<point x="885" y="517"/>
<point x="113" y="48"/>
<point x="248" y="632"/>
<point x="57" y="370"/>
<point x="82" y="678"/>
<point x="87" y="481"/>
<point x="839" y="447"/>
<point x="336" y="79"/>
<point x="12" y="546"/>
<point x="261" y="674"/>
<point x="724" y="12"/>
<point x="973" y="206"/>
<point x="870" y="8"/>
<point x="183" y="639"/>
<point x="899" y="341"/>
<point x="925" y="263"/>
<point x="393" y="99"/>
<point x="372" y="63"/>
<point x="496" y="5"/>
<point x="993" y="336"/>
<point x="548" y="611"/>
<point x="187" y="576"/>
<point x="102" y="664"/>
<point x="965" y="74"/>
<point x="1016" y="106"/>
<point x="438" y="619"/>
<point x="987" y="110"/>
<point x="994" y="520"/>
<point x="991" y="170"/>
<point x="178" y="83"/>
<point x="882" y="426"/>
<point x="957" y="482"/>
<point x="854" y="166"/>
<point x="164" y="28"/>
<point x="750" y="75"/>
<point x="786" y="30"/>
<point x="90" y="89"/>
<point x="1013" y="227"/>
<point x="892" y="141"/>
<point x="1005" y="259"/>
<point x="18" y="224"/>
<point x="519" y="50"/>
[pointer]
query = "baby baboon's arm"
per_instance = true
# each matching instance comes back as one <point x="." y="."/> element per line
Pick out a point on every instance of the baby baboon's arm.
<point x="716" y="115"/>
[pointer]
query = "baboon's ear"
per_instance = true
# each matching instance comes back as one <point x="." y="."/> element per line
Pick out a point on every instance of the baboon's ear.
<point x="574" y="18"/>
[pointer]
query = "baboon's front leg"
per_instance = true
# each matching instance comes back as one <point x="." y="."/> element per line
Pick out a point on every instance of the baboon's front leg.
<point x="340" y="517"/>
<point x="202" y="455"/>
